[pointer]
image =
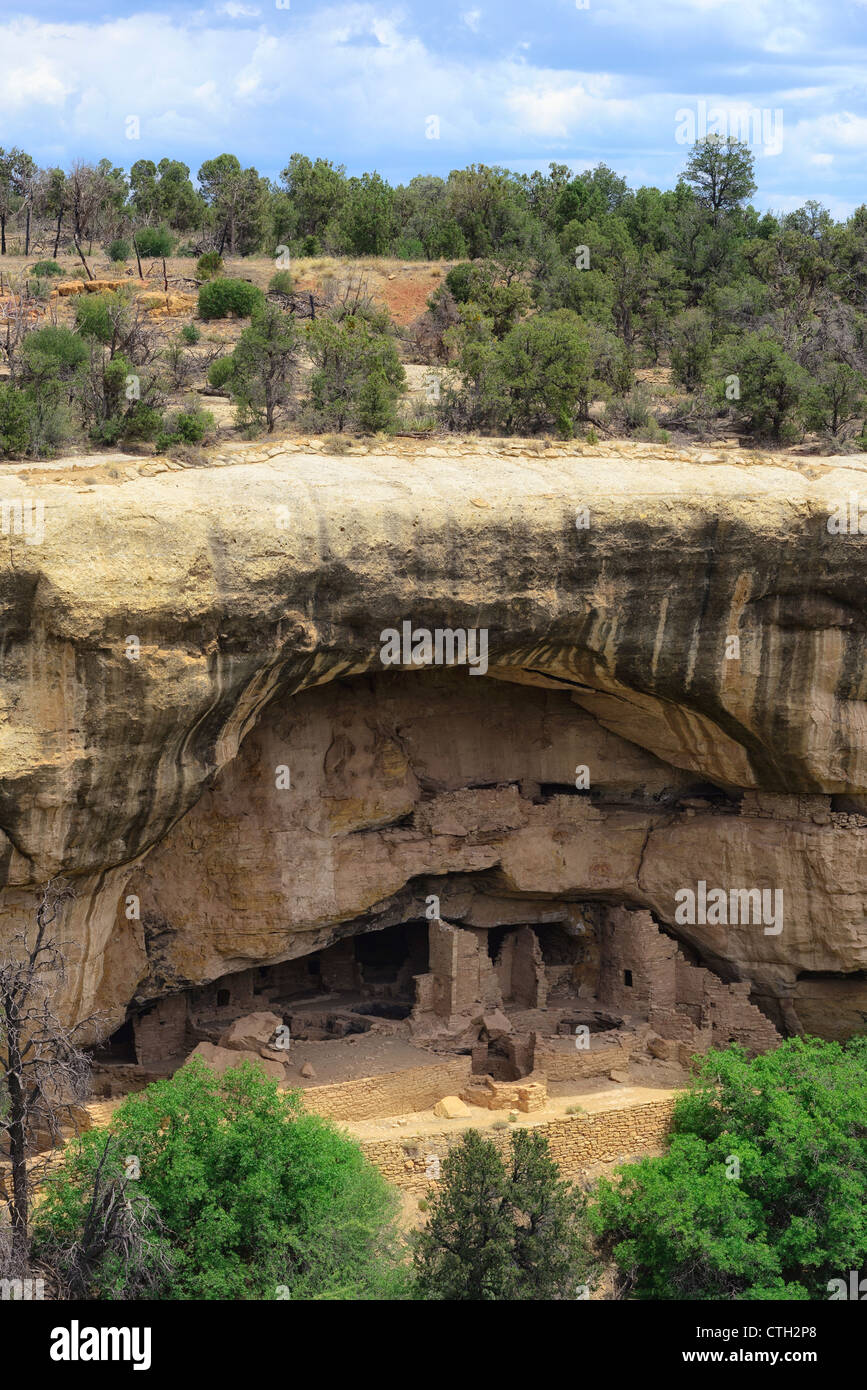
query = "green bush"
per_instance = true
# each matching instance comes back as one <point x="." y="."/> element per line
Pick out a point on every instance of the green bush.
<point x="189" y="426"/>
<point x="154" y="241"/>
<point x="52" y="352"/>
<point x="241" y="1195"/>
<point x="461" y="281"/>
<point x="47" y="268"/>
<point x="763" y="1193"/>
<point x="503" y="1229"/>
<point x="191" y="334"/>
<point x="14" y="422"/>
<point x="208" y="265"/>
<point x="772" y="385"/>
<point x="224" y="296"/>
<point x="119" y="250"/>
<point x="281" y="283"/>
<point x="220" y="372"/>
<point x="263" y="366"/>
<point x="346" y="356"/>
<point x="409" y="248"/>
<point x="93" y="316"/>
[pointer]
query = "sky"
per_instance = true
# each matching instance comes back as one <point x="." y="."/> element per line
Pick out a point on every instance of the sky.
<point x="430" y="85"/>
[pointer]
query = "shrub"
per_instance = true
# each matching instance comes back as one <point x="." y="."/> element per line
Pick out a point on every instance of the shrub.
<point x="14" y="422"/>
<point x="241" y="1195"/>
<point x="409" y="248"/>
<point x="47" y="268"/>
<point x="787" y="1218"/>
<point x="52" y="352"/>
<point x="190" y="334"/>
<point x="93" y="316"/>
<point x="345" y="356"/>
<point x="154" y="241"/>
<point x="772" y="384"/>
<point x="220" y="372"/>
<point x="39" y="289"/>
<point x="511" y="1229"/>
<point x="691" y="348"/>
<point x="208" y="265"/>
<point x="263" y="367"/>
<point x="224" y="296"/>
<point x="189" y="426"/>
<point x="460" y="281"/>
<point x="119" y="250"/>
<point x="636" y="407"/>
<point x="281" y="283"/>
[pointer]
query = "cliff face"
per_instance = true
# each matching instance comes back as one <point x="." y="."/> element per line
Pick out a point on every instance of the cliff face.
<point x="196" y="715"/>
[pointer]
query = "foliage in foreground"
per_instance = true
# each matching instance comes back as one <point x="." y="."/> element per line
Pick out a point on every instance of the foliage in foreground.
<point x="241" y="1193"/>
<point x="498" y="1229"/>
<point x="763" y="1193"/>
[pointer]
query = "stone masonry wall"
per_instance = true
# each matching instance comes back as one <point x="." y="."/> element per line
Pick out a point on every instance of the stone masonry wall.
<point x="575" y="1142"/>
<point x="392" y="1093"/>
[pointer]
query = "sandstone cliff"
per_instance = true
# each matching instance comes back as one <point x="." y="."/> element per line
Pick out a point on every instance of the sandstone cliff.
<point x="177" y="637"/>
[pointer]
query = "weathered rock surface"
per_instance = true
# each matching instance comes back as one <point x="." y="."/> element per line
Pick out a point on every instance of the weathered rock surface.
<point x="197" y="730"/>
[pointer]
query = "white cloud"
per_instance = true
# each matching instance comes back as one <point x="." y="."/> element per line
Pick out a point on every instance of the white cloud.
<point x="355" y="81"/>
<point x="785" y="41"/>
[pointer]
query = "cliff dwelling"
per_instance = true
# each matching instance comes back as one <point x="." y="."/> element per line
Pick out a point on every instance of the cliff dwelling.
<point x="353" y="872"/>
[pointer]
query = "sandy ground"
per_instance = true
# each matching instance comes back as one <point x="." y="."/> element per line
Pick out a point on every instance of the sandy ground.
<point x="422" y="1122"/>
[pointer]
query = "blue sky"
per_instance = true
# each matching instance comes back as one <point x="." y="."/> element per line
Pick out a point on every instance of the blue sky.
<point x="511" y="83"/>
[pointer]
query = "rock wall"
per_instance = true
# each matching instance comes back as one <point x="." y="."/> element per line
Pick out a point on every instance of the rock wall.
<point x="574" y="1141"/>
<point x="197" y="730"/>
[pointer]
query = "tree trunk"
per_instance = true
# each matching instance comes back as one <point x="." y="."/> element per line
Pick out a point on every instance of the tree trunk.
<point x="138" y="258"/>
<point x="2" y="234"/>
<point x="17" y="1131"/>
<point x="57" y="235"/>
<point x="27" y="232"/>
<point x="83" y="261"/>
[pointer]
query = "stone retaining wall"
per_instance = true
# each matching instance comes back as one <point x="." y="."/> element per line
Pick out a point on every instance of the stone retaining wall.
<point x="576" y="1141"/>
<point x="391" y="1093"/>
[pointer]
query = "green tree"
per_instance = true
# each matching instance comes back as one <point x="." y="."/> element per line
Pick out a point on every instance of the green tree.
<point x="763" y="1193"/>
<point x="498" y="1229"/>
<point x="238" y="201"/>
<point x="772" y="385"/>
<point x="316" y="191"/>
<point x="836" y="396"/>
<point x="240" y="1193"/>
<point x="368" y="220"/>
<point x="344" y="356"/>
<point x="720" y="172"/>
<point x="263" y="366"/>
<point x="691" y="348"/>
<point x="544" y="367"/>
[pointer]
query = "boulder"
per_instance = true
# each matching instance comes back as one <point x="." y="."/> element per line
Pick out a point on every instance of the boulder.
<point x="451" y="1108"/>
<point x="252" y="1032"/>
<point x="221" y="1059"/>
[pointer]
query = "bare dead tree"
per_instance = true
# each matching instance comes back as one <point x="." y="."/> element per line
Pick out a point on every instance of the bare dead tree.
<point x="120" y="1220"/>
<point x="44" y="1074"/>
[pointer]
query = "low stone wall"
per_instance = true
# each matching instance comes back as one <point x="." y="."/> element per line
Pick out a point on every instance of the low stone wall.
<point x="576" y="1141"/>
<point x="391" y="1093"/>
<point x="560" y="1060"/>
